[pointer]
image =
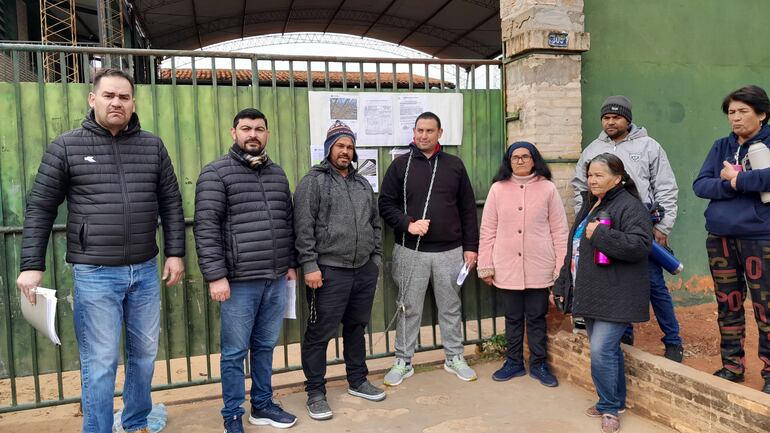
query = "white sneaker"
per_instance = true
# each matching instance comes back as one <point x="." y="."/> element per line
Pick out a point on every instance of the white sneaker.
<point x="398" y="373"/>
<point x="459" y="367"/>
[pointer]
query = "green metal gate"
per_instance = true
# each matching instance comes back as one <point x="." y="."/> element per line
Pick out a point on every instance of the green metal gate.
<point x="193" y="115"/>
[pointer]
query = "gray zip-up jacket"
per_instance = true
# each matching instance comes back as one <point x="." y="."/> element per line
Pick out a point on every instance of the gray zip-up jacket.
<point x="647" y="164"/>
<point x="336" y="220"/>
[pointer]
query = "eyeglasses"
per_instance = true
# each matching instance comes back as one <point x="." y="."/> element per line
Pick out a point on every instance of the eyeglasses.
<point x="523" y="158"/>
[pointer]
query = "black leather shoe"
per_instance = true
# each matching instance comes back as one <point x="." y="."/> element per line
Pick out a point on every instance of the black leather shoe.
<point x="729" y="375"/>
<point x="766" y="388"/>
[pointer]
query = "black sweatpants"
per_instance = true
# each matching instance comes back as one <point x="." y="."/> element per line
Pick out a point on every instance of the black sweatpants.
<point x="345" y="297"/>
<point x="531" y="304"/>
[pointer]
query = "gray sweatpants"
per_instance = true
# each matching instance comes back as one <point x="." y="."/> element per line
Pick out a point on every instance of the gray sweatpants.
<point x="412" y="270"/>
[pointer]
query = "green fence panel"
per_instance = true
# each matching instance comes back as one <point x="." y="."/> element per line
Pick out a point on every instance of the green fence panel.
<point x="194" y="121"/>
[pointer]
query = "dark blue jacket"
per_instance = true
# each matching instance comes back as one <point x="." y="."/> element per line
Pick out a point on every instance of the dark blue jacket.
<point x="737" y="213"/>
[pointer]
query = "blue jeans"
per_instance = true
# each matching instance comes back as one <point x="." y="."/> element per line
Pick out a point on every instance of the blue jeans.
<point x="106" y="297"/>
<point x="250" y="322"/>
<point x="663" y="306"/>
<point x="607" y="368"/>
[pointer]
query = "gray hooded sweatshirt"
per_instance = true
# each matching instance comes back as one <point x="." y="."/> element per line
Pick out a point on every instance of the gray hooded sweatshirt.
<point x="336" y="221"/>
<point x="647" y="164"/>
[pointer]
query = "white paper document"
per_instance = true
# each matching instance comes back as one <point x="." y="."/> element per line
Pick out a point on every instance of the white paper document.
<point x="42" y="315"/>
<point x="464" y="271"/>
<point x="291" y="300"/>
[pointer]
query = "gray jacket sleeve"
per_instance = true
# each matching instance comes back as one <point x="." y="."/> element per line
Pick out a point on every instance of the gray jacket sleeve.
<point x="579" y="182"/>
<point x="377" y="227"/>
<point x="307" y="199"/>
<point x="664" y="188"/>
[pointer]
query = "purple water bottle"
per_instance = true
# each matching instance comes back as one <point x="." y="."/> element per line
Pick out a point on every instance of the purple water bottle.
<point x="600" y="258"/>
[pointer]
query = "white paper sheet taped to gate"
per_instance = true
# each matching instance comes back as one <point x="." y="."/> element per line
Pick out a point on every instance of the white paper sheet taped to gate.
<point x="382" y="118"/>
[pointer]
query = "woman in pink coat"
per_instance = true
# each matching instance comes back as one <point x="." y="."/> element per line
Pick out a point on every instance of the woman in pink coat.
<point x="523" y="241"/>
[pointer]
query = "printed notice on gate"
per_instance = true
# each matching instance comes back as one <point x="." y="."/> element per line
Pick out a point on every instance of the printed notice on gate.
<point x="409" y="107"/>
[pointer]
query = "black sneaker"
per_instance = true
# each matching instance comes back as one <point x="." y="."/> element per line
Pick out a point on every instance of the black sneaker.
<point x="627" y="339"/>
<point x="272" y="415"/>
<point x="233" y="425"/>
<point x="368" y="391"/>
<point x="766" y="388"/>
<point x="543" y="374"/>
<point x="729" y="375"/>
<point x="318" y="408"/>
<point x="674" y="352"/>
<point x="508" y="371"/>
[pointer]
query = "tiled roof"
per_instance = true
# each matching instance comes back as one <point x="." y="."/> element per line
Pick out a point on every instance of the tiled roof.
<point x="243" y="77"/>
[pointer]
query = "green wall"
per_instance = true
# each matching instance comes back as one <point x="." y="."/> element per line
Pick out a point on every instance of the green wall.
<point x="676" y="60"/>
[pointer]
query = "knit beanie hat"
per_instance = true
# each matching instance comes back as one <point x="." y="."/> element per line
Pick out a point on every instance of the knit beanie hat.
<point x="618" y="104"/>
<point x="338" y="130"/>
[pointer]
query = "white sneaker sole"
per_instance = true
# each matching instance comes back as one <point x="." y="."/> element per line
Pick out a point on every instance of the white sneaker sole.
<point x="376" y="397"/>
<point x="320" y="416"/>
<point x="271" y="423"/>
<point x="408" y="374"/>
<point x="450" y="370"/>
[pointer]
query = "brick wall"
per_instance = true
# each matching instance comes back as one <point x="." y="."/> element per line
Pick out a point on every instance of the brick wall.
<point x="673" y="394"/>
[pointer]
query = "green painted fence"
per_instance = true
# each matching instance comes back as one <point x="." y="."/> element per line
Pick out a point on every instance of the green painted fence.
<point x="194" y="123"/>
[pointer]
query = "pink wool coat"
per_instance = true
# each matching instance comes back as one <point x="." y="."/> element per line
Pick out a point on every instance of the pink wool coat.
<point x="523" y="234"/>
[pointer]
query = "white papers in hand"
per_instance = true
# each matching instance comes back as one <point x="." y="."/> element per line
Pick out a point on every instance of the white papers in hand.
<point x="42" y="315"/>
<point x="291" y="300"/>
<point x="464" y="271"/>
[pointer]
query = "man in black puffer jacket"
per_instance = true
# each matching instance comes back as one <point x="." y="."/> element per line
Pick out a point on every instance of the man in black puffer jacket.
<point x="244" y="236"/>
<point x="117" y="180"/>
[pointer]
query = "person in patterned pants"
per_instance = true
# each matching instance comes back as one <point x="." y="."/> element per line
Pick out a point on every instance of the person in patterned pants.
<point x="738" y="225"/>
<point x="735" y="265"/>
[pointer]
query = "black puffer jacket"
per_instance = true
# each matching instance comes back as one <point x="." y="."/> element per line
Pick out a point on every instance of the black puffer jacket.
<point x="619" y="292"/>
<point x="115" y="189"/>
<point x="244" y="222"/>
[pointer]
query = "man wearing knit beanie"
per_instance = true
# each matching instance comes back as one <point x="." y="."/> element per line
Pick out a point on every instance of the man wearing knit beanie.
<point x="339" y="245"/>
<point x="338" y="130"/>
<point x="647" y="163"/>
<point x="617" y="105"/>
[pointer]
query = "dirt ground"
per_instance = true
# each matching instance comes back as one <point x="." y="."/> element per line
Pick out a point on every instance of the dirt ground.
<point x="699" y="331"/>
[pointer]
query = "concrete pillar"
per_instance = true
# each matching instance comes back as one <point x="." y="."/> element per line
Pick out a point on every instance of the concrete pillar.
<point x="542" y="45"/>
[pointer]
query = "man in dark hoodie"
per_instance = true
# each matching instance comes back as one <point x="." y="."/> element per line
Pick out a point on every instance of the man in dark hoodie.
<point x="428" y="199"/>
<point x="738" y="225"/>
<point x="244" y="236"/>
<point x="117" y="180"/>
<point x="340" y="249"/>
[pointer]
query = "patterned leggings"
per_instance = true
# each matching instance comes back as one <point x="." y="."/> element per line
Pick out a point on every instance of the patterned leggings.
<point x="735" y="265"/>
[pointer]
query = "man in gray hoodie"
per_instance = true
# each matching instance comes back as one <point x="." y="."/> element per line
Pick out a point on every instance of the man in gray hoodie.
<point x="339" y="240"/>
<point x="647" y="164"/>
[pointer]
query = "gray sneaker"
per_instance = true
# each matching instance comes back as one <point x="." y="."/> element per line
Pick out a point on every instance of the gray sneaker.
<point x="368" y="391"/>
<point x="398" y="373"/>
<point x="318" y="408"/>
<point x="459" y="367"/>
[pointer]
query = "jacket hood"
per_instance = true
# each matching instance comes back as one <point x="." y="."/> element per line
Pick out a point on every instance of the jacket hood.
<point x="92" y="125"/>
<point x="416" y="150"/>
<point x="763" y="135"/>
<point x="636" y="132"/>
<point x="326" y="167"/>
